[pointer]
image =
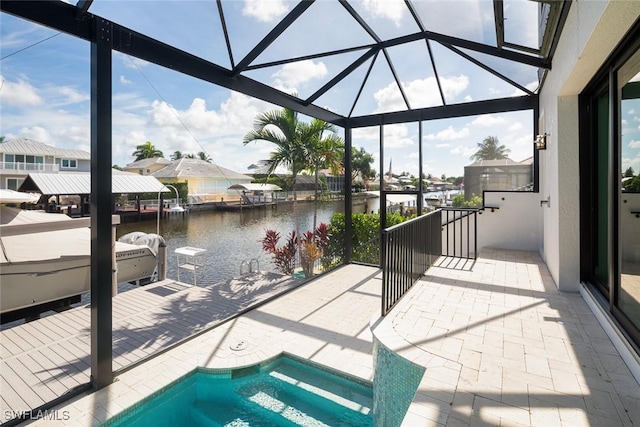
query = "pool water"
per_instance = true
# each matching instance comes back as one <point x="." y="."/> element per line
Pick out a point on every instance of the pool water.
<point x="283" y="392"/>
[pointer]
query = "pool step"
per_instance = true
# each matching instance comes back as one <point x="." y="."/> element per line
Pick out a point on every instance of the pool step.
<point x="209" y="414"/>
<point x="326" y="385"/>
<point x="291" y="394"/>
<point x="301" y="394"/>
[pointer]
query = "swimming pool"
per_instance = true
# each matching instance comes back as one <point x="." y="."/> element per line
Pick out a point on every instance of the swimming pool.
<point x="283" y="392"/>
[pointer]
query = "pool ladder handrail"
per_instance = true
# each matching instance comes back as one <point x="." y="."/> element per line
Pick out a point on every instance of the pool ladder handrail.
<point x="250" y="264"/>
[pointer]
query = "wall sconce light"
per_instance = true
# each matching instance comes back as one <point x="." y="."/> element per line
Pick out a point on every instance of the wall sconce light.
<point x="541" y="141"/>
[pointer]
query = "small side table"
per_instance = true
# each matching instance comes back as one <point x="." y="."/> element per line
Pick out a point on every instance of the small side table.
<point x="190" y="258"/>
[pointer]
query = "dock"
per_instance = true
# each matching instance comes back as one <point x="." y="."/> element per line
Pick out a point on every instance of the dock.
<point x="46" y="358"/>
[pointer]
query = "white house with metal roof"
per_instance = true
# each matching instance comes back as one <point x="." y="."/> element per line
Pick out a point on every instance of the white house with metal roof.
<point x="147" y="166"/>
<point x="207" y="182"/>
<point x="21" y="156"/>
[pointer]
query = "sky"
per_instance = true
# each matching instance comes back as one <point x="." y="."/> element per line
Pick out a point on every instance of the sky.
<point x="45" y="80"/>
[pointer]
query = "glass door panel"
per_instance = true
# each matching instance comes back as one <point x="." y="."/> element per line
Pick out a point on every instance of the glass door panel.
<point x="629" y="198"/>
<point x="601" y="205"/>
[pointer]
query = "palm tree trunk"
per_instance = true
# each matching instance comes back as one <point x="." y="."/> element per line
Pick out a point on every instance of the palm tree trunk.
<point x="315" y="201"/>
<point x="295" y="213"/>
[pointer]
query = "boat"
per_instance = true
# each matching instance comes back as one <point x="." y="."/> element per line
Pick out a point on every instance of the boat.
<point x="45" y="260"/>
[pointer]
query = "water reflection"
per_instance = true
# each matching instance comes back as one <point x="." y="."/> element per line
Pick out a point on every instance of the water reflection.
<point x="230" y="237"/>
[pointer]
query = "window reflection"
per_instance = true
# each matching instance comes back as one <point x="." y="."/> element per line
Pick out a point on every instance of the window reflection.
<point x="629" y="95"/>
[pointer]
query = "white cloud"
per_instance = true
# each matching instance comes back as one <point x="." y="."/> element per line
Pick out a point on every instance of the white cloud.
<point x="631" y="162"/>
<point x="515" y="127"/>
<point x="487" y="120"/>
<point x="19" y="94"/>
<point x="162" y="114"/>
<point x="444" y="145"/>
<point x="389" y="9"/>
<point x="132" y="62"/>
<point x="463" y="151"/>
<point x="217" y="132"/>
<point x="449" y="134"/>
<point x="634" y="144"/>
<point x="368" y="133"/>
<point x="124" y="80"/>
<point x="395" y="136"/>
<point x="421" y="93"/>
<point x="37" y="133"/>
<point x="264" y="10"/>
<point x="299" y="72"/>
<point x="532" y="86"/>
<point x="68" y="95"/>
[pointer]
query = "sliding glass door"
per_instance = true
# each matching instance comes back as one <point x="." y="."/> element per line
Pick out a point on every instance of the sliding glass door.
<point x="610" y="181"/>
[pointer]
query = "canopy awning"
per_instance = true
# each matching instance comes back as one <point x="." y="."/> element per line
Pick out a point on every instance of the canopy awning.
<point x="78" y="183"/>
<point x="11" y="196"/>
<point x="255" y="187"/>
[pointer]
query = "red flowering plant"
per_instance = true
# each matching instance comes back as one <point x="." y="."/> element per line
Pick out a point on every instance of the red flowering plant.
<point x="312" y="247"/>
<point x="284" y="257"/>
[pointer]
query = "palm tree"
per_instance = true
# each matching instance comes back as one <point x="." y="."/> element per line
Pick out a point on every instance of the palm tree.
<point x="284" y="130"/>
<point x="324" y="151"/>
<point x="489" y="149"/>
<point x="204" y="156"/>
<point x="293" y="141"/>
<point x="146" y="151"/>
<point x="177" y="155"/>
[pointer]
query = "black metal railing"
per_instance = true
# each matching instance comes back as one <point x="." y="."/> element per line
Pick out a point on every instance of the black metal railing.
<point x="407" y="251"/>
<point x="460" y="232"/>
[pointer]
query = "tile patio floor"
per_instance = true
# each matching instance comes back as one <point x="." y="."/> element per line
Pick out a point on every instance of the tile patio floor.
<point x="501" y="346"/>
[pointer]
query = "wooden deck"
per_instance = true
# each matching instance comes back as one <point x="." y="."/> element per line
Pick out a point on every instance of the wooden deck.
<point x="44" y="359"/>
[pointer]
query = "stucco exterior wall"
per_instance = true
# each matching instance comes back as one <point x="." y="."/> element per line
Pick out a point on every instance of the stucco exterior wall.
<point x="591" y="32"/>
<point x="516" y="225"/>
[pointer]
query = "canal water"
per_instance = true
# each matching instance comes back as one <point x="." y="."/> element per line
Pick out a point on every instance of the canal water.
<point x="230" y="237"/>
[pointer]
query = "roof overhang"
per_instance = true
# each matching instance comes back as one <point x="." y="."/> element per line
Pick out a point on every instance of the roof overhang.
<point x="255" y="187"/>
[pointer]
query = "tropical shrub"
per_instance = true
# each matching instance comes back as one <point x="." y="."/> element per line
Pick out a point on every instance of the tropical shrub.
<point x="365" y="239"/>
<point x="460" y="202"/>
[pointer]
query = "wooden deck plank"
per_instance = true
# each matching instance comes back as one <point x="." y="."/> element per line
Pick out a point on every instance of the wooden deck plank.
<point x="55" y="366"/>
<point x="35" y="333"/>
<point x="54" y="350"/>
<point x="54" y="383"/>
<point x="30" y="378"/>
<point x="62" y="321"/>
<point x="4" y="405"/>
<point x="9" y="348"/>
<point x="52" y="326"/>
<point x="22" y="389"/>
<point x="10" y="397"/>
<point x="56" y="323"/>
<point x="20" y="342"/>
<point x="71" y="361"/>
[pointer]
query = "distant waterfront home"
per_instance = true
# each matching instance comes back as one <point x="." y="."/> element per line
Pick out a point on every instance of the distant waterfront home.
<point x="69" y="192"/>
<point x="21" y="156"/>
<point x="305" y="183"/>
<point x="207" y="182"/>
<point x="497" y="175"/>
<point x="147" y="166"/>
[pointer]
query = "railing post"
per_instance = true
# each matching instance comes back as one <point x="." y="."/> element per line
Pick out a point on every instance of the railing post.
<point x="475" y="235"/>
<point x="385" y="269"/>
